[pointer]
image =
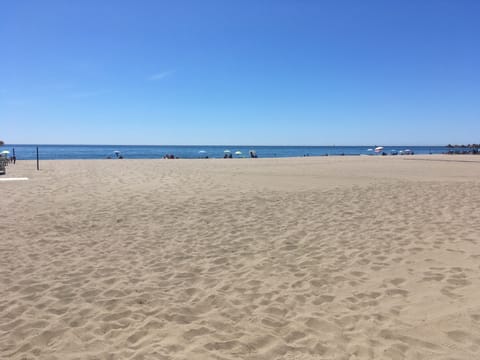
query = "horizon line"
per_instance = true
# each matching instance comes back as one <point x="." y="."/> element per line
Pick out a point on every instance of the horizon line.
<point x="223" y="145"/>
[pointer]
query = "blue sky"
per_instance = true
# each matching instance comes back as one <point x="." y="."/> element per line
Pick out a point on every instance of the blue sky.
<point x="296" y="72"/>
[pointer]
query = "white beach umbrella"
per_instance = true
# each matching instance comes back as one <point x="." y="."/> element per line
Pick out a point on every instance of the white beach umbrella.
<point x="227" y="151"/>
<point x="379" y="148"/>
<point x="5" y="152"/>
<point x="238" y="153"/>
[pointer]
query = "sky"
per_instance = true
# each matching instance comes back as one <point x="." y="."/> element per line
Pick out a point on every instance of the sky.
<point x="297" y="72"/>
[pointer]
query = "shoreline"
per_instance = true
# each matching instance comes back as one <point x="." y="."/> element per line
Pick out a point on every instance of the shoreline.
<point x="406" y="157"/>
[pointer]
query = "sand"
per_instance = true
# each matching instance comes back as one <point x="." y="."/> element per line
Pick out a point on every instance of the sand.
<point x="308" y="258"/>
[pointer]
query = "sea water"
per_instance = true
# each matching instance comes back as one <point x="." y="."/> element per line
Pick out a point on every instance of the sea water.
<point x="52" y="152"/>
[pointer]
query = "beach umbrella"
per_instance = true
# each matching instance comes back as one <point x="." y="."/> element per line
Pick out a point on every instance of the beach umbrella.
<point x="238" y="153"/>
<point x="379" y="148"/>
<point x="5" y="152"/>
<point x="227" y="151"/>
<point x="202" y="152"/>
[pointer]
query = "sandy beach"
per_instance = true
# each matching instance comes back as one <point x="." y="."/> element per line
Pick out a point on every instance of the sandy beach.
<point x="296" y="258"/>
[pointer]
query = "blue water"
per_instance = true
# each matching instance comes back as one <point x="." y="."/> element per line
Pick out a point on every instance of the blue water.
<point x="52" y="152"/>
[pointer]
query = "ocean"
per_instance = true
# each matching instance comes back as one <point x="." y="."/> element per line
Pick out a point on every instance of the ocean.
<point x="54" y="152"/>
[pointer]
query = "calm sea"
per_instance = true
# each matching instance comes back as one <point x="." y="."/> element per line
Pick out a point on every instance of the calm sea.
<point x="52" y="152"/>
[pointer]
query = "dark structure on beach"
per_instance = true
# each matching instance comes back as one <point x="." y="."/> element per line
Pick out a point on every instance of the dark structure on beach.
<point x="465" y="149"/>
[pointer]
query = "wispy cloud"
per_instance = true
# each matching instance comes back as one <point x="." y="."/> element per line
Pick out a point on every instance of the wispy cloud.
<point x="161" y="75"/>
<point x="88" y="94"/>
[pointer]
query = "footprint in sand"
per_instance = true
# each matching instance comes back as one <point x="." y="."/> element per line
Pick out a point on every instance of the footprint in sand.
<point x="137" y="336"/>
<point x="432" y="276"/>
<point x="318" y="283"/>
<point x="323" y="299"/>
<point x="294" y="336"/>
<point x="395" y="292"/>
<point x="274" y="323"/>
<point x="458" y="335"/>
<point x="458" y="280"/>
<point x="397" y="281"/>
<point x="447" y="291"/>
<point x="475" y="317"/>
<point x="357" y="273"/>
<point x="321" y="325"/>
<point x="192" y="333"/>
